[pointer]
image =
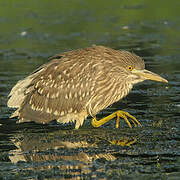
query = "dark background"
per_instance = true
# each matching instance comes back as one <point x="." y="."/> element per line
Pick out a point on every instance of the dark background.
<point x="31" y="31"/>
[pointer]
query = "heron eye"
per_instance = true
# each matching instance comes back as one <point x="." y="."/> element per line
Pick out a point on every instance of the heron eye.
<point x="130" y="68"/>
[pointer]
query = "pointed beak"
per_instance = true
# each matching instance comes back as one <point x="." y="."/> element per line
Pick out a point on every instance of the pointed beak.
<point x="148" y="75"/>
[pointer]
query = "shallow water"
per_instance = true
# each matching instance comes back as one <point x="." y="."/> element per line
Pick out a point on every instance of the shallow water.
<point x="33" y="30"/>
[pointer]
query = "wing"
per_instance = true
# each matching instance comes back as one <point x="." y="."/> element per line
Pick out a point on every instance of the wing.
<point x="56" y="89"/>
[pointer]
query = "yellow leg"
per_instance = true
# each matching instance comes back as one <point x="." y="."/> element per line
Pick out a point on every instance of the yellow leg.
<point x="119" y="114"/>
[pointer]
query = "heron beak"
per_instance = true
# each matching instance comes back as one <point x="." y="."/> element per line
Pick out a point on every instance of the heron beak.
<point x="148" y="75"/>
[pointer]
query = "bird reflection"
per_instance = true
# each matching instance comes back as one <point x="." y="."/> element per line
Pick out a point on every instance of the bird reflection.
<point x="71" y="153"/>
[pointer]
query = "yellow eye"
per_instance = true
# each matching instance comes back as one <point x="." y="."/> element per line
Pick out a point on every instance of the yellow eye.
<point x="130" y="68"/>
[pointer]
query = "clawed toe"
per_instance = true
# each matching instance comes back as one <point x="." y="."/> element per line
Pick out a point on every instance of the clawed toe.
<point x="118" y="114"/>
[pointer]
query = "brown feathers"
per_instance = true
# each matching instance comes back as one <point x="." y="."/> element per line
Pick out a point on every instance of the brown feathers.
<point x="73" y="85"/>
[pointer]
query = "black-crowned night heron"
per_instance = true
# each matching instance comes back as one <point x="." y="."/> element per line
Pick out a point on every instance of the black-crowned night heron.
<point x="77" y="84"/>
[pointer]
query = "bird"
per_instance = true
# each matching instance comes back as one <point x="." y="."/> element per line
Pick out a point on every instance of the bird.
<point x="76" y="84"/>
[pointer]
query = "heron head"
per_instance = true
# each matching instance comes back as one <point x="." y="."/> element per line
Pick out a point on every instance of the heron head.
<point x="135" y="69"/>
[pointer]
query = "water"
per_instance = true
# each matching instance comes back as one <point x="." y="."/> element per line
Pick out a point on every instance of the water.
<point x="33" y="30"/>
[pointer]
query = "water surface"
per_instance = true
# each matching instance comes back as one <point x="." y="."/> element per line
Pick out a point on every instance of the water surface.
<point x="32" y="31"/>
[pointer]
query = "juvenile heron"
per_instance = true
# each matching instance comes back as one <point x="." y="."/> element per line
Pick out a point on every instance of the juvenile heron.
<point x="77" y="84"/>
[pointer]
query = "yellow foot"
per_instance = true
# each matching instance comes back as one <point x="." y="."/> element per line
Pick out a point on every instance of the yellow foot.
<point x="119" y="114"/>
<point x="123" y="142"/>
